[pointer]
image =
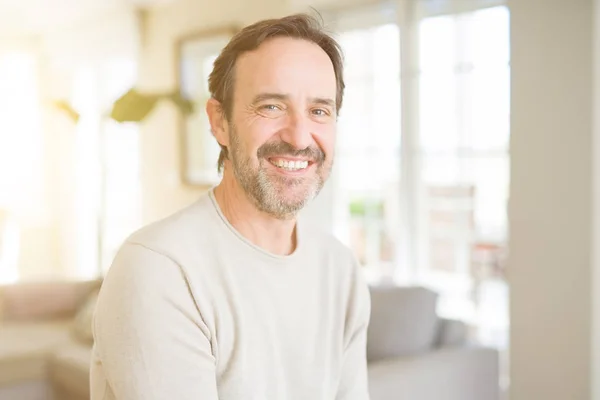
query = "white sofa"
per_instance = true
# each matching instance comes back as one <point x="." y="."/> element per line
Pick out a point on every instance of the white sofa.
<point x="415" y="355"/>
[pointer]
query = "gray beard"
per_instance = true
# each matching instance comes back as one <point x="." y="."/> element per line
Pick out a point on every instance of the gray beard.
<point x="265" y="190"/>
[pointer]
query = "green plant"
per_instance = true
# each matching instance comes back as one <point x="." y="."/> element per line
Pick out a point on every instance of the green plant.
<point x="133" y="106"/>
<point x="366" y="206"/>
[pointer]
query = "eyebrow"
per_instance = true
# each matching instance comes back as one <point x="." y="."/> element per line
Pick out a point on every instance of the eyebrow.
<point x="284" y="97"/>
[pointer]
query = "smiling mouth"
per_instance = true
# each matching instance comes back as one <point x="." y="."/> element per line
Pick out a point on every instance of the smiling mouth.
<point x="290" y="165"/>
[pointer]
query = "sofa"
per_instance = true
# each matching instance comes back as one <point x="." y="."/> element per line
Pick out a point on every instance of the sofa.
<point x="414" y="354"/>
<point x="46" y="341"/>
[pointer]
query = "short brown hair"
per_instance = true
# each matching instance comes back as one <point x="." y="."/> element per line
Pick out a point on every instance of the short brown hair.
<point x="297" y="26"/>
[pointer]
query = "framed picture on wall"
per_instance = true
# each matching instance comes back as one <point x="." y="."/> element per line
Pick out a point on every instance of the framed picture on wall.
<point x="199" y="150"/>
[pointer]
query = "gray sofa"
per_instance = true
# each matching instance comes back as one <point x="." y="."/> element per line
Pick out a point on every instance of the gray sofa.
<point x="413" y="354"/>
<point x="45" y="346"/>
<point x="45" y="340"/>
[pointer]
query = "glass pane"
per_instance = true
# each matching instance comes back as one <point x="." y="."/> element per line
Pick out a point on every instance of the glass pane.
<point x="85" y="100"/>
<point x="488" y="108"/>
<point x="121" y="165"/>
<point x="21" y="161"/>
<point x="21" y="142"/>
<point x="488" y="178"/>
<point x="443" y="169"/>
<point x="355" y="116"/>
<point x="487" y="38"/>
<point x="122" y="207"/>
<point x="386" y="52"/>
<point x="438" y="47"/>
<point x="464" y="163"/>
<point x="438" y="120"/>
<point x="491" y="178"/>
<point x="357" y="50"/>
<point x="386" y="115"/>
<point x="367" y="216"/>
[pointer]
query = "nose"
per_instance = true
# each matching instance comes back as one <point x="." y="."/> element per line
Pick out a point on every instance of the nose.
<point x="297" y="133"/>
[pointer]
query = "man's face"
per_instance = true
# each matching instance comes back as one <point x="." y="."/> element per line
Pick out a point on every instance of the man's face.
<point x="283" y="124"/>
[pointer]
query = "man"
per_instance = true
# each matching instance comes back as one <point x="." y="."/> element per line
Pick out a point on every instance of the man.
<point x="234" y="297"/>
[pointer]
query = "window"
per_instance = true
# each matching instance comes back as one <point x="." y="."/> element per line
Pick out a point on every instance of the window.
<point x="108" y="187"/>
<point x="427" y="205"/>
<point x="367" y="158"/>
<point x="121" y="211"/>
<point x="87" y="172"/>
<point x="21" y="168"/>
<point x="463" y="159"/>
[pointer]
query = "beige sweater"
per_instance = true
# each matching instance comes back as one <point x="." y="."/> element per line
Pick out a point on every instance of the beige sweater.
<point x="191" y="310"/>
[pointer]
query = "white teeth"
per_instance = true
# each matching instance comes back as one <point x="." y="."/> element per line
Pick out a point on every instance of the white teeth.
<point x="291" y="165"/>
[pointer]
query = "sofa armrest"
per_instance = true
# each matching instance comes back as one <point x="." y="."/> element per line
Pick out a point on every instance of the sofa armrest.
<point x="452" y="333"/>
<point x="43" y="300"/>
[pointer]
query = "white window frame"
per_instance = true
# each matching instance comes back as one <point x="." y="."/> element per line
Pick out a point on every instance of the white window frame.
<point x="411" y="194"/>
<point x="407" y="14"/>
<point x="350" y="19"/>
<point x="411" y="13"/>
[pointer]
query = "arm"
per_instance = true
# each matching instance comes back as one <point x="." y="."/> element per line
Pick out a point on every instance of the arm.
<point x="353" y="383"/>
<point x="149" y="336"/>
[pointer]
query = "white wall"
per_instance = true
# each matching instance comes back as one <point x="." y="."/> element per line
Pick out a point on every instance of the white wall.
<point x="550" y="211"/>
<point x="595" y="336"/>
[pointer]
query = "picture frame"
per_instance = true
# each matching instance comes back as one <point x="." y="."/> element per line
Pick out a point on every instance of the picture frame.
<point x="199" y="151"/>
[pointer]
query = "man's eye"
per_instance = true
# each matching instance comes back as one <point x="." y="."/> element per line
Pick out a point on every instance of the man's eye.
<point x="270" y="107"/>
<point x="319" y="112"/>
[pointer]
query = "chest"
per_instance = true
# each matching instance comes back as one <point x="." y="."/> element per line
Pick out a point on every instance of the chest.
<point x="278" y="335"/>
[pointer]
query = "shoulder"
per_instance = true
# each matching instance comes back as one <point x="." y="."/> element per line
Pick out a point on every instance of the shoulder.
<point x="330" y="248"/>
<point x="350" y="276"/>
<point x="163" y="248"/>
<point x="176" y="232"/>
<point x="149" y="267"/>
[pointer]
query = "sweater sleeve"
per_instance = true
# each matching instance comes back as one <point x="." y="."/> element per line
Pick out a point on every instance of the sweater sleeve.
<point x="149" y="335"/>
<point x="354" y="381"/>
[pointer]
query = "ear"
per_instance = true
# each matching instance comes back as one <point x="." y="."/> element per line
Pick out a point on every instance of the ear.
<point x="218" y="122"/>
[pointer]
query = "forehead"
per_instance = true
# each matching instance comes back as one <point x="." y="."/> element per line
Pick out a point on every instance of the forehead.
<point x="287" y="66"/>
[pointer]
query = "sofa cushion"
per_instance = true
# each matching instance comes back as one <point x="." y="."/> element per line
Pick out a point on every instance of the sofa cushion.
<point x="460" y="373"/>
<point x="403" y="322"/>
<point x="69" y="368"/>
<point x="82" y="323"/>
<point x="33" y="301"/>
<point x="452" y="333"/>
<point x="24" y="349"/>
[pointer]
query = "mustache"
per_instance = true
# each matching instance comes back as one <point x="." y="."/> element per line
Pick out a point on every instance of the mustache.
<point x="285" y="149"/>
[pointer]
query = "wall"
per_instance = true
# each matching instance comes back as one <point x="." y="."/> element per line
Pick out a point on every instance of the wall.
<point x="550" y="211"/>
<point x="595" y="242"/>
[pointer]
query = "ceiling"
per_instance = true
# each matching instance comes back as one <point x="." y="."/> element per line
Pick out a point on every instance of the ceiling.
<point x="21" y="18"/>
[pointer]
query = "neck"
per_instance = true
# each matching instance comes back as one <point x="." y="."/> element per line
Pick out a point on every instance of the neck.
<point x="263" y="230"/>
